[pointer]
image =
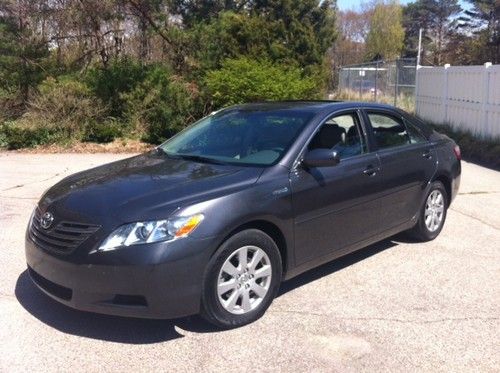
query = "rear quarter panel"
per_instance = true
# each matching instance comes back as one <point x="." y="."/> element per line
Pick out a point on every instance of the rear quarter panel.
<point x="448" y="164"/>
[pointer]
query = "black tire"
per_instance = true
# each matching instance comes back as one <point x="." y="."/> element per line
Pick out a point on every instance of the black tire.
<point x="420" y="231"/>
<point x="211" y="308"/>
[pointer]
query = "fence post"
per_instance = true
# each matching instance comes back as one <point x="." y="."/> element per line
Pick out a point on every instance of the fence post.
<point x="485" y="100"/>
<point x="348" y="81"/>
<point x="416" y="88"/>
<point x="360" y="77"/>
<point x="396" y="83"/>
<point x="444" y="99"/>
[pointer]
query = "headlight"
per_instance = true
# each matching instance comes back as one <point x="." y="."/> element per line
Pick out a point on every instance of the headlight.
<point x="151" y="231"/>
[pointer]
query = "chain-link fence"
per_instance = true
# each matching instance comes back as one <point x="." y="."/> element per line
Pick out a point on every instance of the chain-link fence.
<point x="381" y="81"/>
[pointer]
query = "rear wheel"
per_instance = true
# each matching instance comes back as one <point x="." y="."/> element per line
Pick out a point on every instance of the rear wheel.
<point x="241" y="279"/>
<point x="432" y="215"/>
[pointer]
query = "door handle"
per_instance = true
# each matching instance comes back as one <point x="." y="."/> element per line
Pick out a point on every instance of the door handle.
<point x="427" y="154"/>
<point x="370" y="171"/>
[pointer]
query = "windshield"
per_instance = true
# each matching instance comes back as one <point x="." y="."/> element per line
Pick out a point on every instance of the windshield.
<point x="239" y="136"/>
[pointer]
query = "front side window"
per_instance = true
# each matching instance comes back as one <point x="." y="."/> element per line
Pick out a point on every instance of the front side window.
<point x="240" y="136"/>
<point x="388" y="131"/>
<point x="342" y="134"/>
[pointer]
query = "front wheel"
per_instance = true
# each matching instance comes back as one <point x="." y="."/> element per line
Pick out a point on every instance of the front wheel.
<point x="432" y="215"/>
<point x="241" y="279"/>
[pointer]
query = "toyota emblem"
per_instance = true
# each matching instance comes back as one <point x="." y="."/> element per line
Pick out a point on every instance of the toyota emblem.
<point x="46" y="220"/>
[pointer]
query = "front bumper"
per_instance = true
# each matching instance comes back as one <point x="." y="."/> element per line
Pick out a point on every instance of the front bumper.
<point x="164" y="282"/>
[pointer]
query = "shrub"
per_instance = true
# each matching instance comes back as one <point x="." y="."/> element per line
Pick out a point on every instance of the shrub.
<point x="244" y="80"/>
<point x="4" y="140"/>
<point x="102" y="132"/>
<point x="64" y="106"/>
<point x="62" y="110"/>
<point x="15" y="136"/>
<point x="11" y="106"/>
<point x="161" y="105"/>
<point x="474" y="148"/>
<point x="111" y="83"/>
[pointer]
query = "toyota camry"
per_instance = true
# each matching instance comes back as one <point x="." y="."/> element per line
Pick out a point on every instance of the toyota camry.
<point x="215" y="218"/>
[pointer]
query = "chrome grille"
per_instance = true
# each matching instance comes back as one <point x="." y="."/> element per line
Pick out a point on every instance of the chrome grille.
<point x="62" y="238"/>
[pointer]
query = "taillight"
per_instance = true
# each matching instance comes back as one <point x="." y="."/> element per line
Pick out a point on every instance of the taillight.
<point x="458" y="153"/>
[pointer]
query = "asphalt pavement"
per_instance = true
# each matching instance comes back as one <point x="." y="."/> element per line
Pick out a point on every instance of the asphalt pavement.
<point x="394" y="306"/>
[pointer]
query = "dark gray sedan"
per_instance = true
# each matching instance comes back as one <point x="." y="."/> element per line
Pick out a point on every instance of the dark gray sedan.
<point x="215" y="218"/>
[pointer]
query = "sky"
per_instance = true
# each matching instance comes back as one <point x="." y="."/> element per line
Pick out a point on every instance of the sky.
<point x="356" y="4"/>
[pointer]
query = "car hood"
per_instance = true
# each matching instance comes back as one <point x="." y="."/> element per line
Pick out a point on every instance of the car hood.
<point x="148" y="186"/>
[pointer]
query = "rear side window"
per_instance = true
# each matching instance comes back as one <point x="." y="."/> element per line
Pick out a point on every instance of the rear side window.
<point x="388" y="131"/>
<point x="424" y="127"/>
<point x="415" y="133"/>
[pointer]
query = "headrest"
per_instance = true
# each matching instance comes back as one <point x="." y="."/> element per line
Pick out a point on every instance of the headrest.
<point x="330" y="135"/>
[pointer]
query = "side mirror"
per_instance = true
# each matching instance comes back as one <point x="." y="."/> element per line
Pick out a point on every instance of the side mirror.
<point x="321" y="158"/>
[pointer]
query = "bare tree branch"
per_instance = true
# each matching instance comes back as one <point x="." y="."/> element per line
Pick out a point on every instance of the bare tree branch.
<point x="151" y="22"/>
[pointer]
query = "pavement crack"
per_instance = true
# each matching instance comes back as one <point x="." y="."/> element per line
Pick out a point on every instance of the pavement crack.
<point x="35" y="182"/>
<point x="478" y="192"/>
<point x="403" y="321"/>
<point x="13" y="187"/>
<point x="432" y="321"/>
<point x="475" y="218"/>
<point x="14" y="197"/>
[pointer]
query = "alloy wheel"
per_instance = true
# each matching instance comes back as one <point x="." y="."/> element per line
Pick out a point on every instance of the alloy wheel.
<point x="434" y="210"/>
<point x="244" y="280"/>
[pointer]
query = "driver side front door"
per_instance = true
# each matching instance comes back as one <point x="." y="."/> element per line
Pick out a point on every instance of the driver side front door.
<point x="336" y="206"/>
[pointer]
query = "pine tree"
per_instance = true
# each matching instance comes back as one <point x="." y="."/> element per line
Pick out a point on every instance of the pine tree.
<point x="483" y="19"/>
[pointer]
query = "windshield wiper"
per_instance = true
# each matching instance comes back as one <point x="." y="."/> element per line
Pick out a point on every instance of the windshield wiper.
<point x="167" y="154"/>
<point x="160" y="150"/>
<point x="199" y="158"/>
<point x="190" y="157"/>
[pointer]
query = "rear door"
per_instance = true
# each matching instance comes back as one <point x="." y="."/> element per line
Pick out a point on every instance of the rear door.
<point x="407" y="161"/>
<point x="336" y="206"/>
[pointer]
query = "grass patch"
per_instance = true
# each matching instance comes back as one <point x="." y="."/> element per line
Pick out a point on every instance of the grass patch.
<point x="405" y="102"/>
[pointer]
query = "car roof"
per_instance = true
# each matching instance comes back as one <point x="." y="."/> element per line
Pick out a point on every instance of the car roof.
<point x="315" y="106"/>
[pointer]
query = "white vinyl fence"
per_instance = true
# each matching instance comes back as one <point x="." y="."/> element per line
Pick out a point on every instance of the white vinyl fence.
<point x="466" y="97"/>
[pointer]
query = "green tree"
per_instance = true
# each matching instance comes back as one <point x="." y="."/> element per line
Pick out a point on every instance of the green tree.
<point x="293" y="31"/>
<point x="231" y="35"/>
<point x="161" y="105"/>
<point x="305" y="27"/>
<point x="23" y="53"/>
<point x="483" y="20"/>
<point x="415" y="17"/>
<point x="194" y="12"/>
<point x="246" y="80"/>
<point x="442" y="17"/>
<point x="386" y="35"/>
